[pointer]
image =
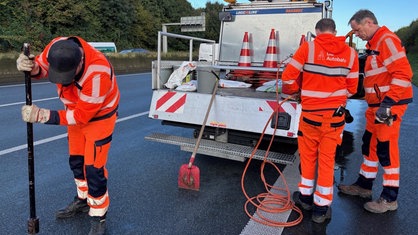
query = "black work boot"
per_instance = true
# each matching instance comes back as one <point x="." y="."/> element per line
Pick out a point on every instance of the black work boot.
<point x="321" y="214"/>
<point x="76" y="206"/>
<point x="98" y="225"/>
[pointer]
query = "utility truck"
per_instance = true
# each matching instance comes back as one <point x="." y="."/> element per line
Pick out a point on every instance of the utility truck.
<point x="239" y="116"/>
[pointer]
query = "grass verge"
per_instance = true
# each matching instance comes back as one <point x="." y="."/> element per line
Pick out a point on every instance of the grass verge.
<point x="413" y="60"/>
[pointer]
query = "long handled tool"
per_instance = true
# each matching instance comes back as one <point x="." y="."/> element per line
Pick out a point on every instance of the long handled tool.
<point x="189" y="175"/>
<point x="33" y="221"/>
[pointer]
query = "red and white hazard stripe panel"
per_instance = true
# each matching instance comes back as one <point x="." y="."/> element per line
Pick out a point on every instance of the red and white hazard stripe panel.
<point x="171" y="102"/>
<point x="288" y="107"/>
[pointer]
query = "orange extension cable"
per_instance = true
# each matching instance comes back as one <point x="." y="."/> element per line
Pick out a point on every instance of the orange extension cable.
<point x="270" y="202"/>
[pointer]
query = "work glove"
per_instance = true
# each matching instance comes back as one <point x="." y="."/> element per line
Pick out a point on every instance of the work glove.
<point x="383" y="115"/>
<point x="296" y="97"/>
<point x="32" y="114"/>
<point x="25" y="63"/>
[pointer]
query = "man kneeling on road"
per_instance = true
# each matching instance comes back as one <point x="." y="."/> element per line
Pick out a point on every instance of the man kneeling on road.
<point x="87" y="86"/>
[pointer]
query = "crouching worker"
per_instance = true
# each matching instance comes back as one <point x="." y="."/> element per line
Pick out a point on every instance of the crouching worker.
<point x="330" y="75"/>
<point x="87" y="86"/>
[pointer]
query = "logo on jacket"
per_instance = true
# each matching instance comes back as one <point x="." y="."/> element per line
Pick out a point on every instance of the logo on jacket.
<point x="332" y="57"/>
<point x="321" y="55"/>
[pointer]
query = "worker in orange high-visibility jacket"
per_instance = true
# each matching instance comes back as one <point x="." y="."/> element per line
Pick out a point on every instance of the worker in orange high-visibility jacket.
<point x="87" y="86"/>
<point x="388" y="91"/>
<point x="330" y="75"/>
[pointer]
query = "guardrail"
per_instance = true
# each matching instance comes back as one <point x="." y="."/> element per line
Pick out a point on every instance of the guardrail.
<point x="191" y="40"/>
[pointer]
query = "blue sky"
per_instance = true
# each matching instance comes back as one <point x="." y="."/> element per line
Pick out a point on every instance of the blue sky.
<point x="393" y="14"/>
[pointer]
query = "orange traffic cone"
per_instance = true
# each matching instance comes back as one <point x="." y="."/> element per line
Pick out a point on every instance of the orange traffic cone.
<point x="244" y="58"/>
<point x="270" y="59"/>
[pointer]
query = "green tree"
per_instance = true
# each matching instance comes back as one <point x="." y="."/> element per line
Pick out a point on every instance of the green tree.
<point x="212" y="20"/>
<point x="128" y="23"/>
<point x="409" y="36"/>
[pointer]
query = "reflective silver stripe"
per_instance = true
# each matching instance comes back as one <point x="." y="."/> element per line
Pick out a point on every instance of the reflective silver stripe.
<point x="370" y="163"/>
<point x="376" y="71"/>
<point x="384" y="37"/>
<point x="393" y="183"/>
<point x="43" y="64"/>
<point x="320" y="201"/>
<point x="111" y="104"/>
<point x="391" y="171"/>
<point x="399" y="82"/>
<point x="373" y="62"/>
<point x="324" y="190"/>
<point x="97" y="212"/>
<point x="391" y="46"/>
<point x="311" y="52"/>
<point x="321" y="94"/>
<point x="352" y="57"/>
<point x="80" y="193"/>
<point x="307" y="182"/>
<point x="395" y="57"/>
<point x="97" y="202"/>
<point x="95" y="90"/>
<point x="92" y="100"/>
<point x="371" y="90"/>
<point x="369" y="175"/>
<point x="69" y="115"/>
<point x="296" y="64"/>
<point x="94" y="69"/>
<point x="339" y="71"/>
<point x="306" y="191"/>
<point x="352" y="75"/>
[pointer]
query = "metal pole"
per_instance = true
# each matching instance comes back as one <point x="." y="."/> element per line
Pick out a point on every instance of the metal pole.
<point x="165" y="39"/>
<point x="191" y="50"/>
<point x="33" y="221"/>
<point x="158" y="61"/>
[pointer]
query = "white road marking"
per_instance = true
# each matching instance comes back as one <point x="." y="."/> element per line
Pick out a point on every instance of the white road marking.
<point x="57" y="137"/>
<point x="291" y="173"/>
<point x="18" y="103"/>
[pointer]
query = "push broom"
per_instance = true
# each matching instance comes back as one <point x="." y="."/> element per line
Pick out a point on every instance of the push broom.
<point x="189" y="174"/>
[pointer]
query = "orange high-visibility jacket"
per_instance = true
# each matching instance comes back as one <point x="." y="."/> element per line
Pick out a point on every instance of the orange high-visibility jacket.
<point x="93" y="96"/>
<point x="388" y="73"/>
<point x="330" y="73"/>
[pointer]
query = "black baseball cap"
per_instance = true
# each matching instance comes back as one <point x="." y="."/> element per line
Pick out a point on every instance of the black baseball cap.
<point x="64" y="57"/>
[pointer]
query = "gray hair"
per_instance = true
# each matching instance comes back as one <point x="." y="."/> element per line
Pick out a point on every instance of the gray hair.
<point x="361" y="15"/>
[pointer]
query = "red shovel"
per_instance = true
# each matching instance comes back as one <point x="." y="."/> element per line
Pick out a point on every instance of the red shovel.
<point x="189" y="175"/>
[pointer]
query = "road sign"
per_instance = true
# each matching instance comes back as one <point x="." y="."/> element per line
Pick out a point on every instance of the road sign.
<point x="193" y="23"/>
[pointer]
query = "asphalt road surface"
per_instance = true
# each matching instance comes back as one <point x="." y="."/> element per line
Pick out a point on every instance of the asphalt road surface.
<point x="145" y="198"/>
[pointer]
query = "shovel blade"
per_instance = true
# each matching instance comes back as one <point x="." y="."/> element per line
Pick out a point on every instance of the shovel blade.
<point x="189" y="178"/>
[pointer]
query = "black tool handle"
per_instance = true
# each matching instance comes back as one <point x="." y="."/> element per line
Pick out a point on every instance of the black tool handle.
<point x="33" y="221"/>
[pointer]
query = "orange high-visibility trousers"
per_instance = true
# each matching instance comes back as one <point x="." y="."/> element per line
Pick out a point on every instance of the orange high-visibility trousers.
<point x="88" y="147"/>
<point x="318" y="138"/>
<point x="380" y="146"/>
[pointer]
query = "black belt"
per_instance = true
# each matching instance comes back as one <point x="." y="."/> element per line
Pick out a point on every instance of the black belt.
<point x="318" y="110"/>
<point x="315" y="123"/>
<point x="108" y="115"/>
